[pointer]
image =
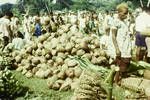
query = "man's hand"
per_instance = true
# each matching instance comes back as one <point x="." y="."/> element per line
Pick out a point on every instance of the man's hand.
<point x="118" y="53"/>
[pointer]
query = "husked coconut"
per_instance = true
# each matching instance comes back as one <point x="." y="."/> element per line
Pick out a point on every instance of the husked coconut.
<point x="48" y="73"/>
<point x="59" y="60"/>
<point x="38" y="52"/>
<point x="77" y="71"/>
<point x="29" y="74"/>
<point x="61" y="54"/>
<point x="69" y="46"/>
<point x="80" y="52"/>
<point x="48" y="56"/>
<point x="97" y="43"/>
<point x="35" y="60"/>
<point x="18" y="59"/>
<point x="19" y="69"/>
<point x="61" y="75"/>
<point x="70" y="72"/>
<point x="71" y="63"/>
<point x="29" y="50"/>
<point x="51" y="81"/>
<point x="34" y="70"/>
<point x="50" y="62"/>
<point x="42" y="59"/>
<point x="84" y="45"/>
<point x="24" y="71"/>
<point x="40" y="74"/>
<point x="55" y="86"/>
<point x="15" y="53"/>
<point x="74" y="50"/>
<point x="66" y="85"/>
<point x="88" y="56"/>
<point x="60" y="48"/>
<point x="54" y="52"/>
<point x="40" y="46"/>
<point x="42" y="38"/>
<point x="54" y="43"/>
<point x="24" y="62"/>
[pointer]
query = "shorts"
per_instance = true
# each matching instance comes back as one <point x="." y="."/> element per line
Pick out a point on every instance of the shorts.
<point x="140" y="40"/>
<point x="123" y="63"/>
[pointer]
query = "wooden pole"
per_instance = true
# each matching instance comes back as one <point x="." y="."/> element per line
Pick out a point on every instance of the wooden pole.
<point x="148" y="3"/>
<point x="141" y="3"/>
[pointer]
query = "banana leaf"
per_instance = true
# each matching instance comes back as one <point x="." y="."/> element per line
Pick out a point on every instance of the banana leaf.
<point x="134" y="66"/>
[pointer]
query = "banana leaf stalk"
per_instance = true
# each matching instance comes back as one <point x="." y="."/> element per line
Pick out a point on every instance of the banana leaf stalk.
<point x="108" y="73"/>
<point x="110" y="79"/>
<point x="134" y="66"/>
<point x="86" y="64"/>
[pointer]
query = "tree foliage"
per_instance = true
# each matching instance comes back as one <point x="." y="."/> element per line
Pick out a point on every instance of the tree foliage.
<point x="40" y="6"/>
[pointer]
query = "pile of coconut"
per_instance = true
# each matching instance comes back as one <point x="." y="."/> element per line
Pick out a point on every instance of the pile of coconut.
<point x="47" y="57"/>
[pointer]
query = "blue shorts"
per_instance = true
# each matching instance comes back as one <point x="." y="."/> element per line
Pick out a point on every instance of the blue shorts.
<point x="140" y="40"/>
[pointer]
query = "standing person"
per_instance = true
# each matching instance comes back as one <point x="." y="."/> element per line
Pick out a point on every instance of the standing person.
<point x="15" y="25"/>
<point x="38" y="28"/>
<point x="27" y="28"/>
<point x="140" y="24"/>
<point x="5" y="30"/>
<point x="121" y="41"/>
<point x="144" y="30"/>
<point x="106" y="26"/>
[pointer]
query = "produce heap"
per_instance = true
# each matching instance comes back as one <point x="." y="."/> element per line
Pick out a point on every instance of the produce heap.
<point x="47" y="56"/>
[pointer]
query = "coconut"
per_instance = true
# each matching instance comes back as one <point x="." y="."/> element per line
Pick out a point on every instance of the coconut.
<point x="35" y="60"/>
<point x="80" y="52"/>
<point x="29" y="74"/>
<point x="40" y="74"/>
<point x="77" y="71"/>
<point x="70" y="72"/>
<point x="48" y="56"/>
<point x="18" y="59"/>
<point x="71" y="63"/>
<point x="29" y="50"/>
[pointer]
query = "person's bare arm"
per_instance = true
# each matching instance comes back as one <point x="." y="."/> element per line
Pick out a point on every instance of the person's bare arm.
<point x="114" y="35"/>
<point x="10" y="32"/>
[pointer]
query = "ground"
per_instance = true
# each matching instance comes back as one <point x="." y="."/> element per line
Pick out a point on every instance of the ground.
<point x="38" y="89"/>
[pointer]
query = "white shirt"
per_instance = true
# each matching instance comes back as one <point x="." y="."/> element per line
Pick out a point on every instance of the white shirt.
<point x="107" y="41"/>
<point x="123" y="37"/>
<point x="142" y="21"/>
<point x="4" y="24"/>
<point x="18" y="43"/>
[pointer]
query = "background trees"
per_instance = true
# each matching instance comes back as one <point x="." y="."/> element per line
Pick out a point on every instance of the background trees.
<point x="40" y="6"/>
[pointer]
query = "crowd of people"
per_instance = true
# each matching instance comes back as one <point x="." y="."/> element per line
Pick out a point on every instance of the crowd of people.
<point x="121" y="32"/>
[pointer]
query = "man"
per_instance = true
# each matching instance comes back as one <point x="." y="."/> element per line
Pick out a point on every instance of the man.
<point x="121" y="41"/>
<point x="141" y="23"/>
<point x="5" y="30"/>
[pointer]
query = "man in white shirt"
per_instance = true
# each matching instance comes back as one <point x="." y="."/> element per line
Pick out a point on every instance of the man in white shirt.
<point x="5" y="30"/>
<point x="142" y="27"/>
<point x="121" y="41"/>
<point x="140" y="24"/>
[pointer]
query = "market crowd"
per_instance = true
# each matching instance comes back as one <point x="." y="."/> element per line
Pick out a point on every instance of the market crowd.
<point x="123" y="34"/>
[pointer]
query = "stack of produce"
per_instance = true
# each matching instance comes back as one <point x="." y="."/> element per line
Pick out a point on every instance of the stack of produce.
<point x="89" y="87"/>
<point x="47" y="57"/>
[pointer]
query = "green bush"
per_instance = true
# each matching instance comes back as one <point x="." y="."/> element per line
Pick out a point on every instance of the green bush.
<point x="9" y="86"/>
